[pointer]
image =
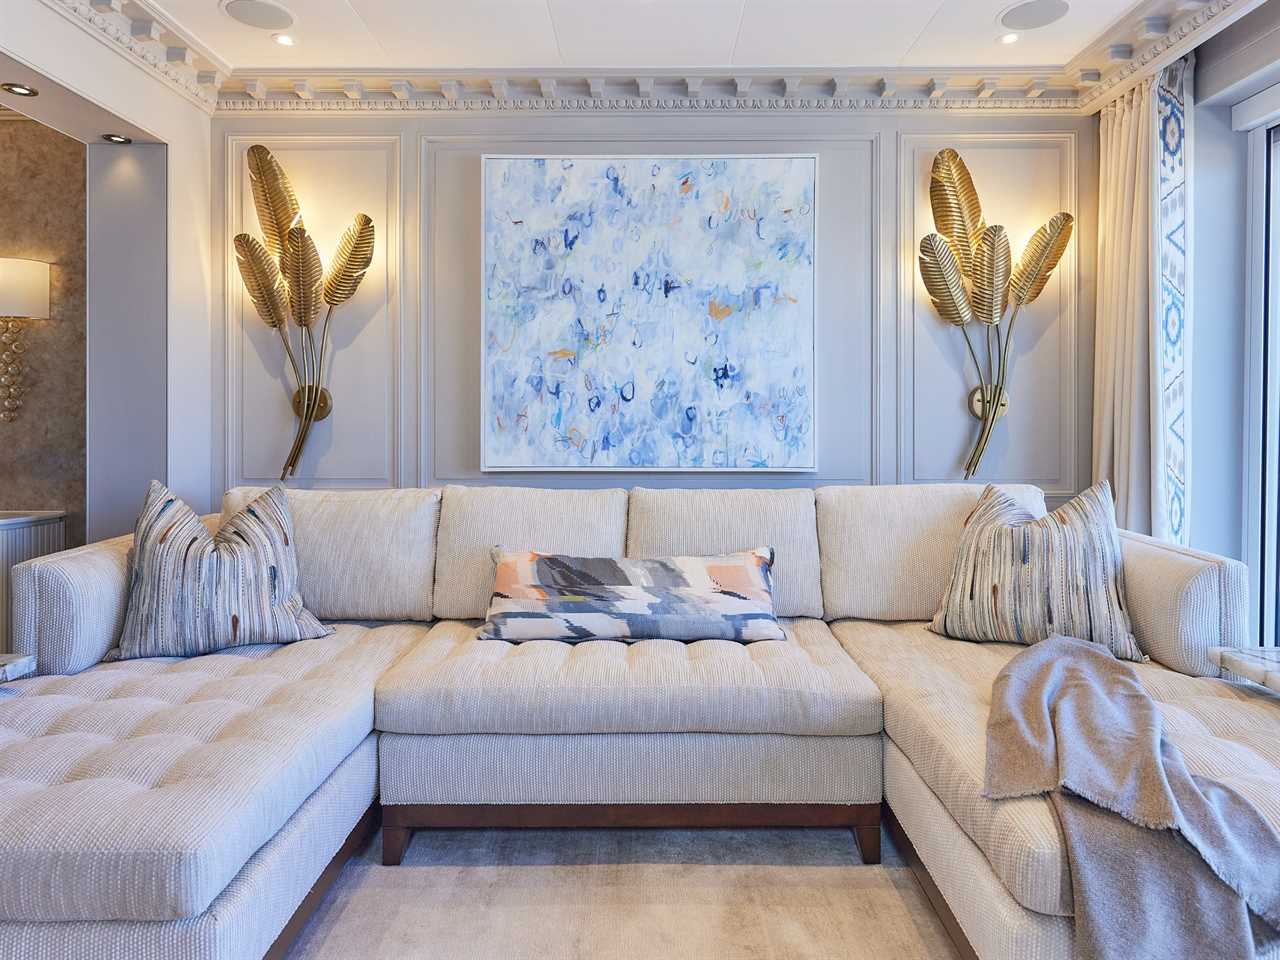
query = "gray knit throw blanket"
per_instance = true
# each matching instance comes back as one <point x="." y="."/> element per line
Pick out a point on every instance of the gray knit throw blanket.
<point x="1164" y="863"/>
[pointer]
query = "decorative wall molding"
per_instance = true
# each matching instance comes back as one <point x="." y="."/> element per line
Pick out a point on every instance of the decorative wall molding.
<point x="438" y="463"/>
<point x="385" y="461"/>
<point x="588" y="104"/>
<point x="887" y="433"/>
<point x="1067" y="479"/>
<point x="162" y="51"/>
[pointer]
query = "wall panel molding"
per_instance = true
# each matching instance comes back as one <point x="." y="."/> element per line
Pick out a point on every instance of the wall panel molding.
<point x="1022" y="455"/>
<point x="437" y="403"/>
<point x="889" y="394"/>
<point x="367" y="332"/>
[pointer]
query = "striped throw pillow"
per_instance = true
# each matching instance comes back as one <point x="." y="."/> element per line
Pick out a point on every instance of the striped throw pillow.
<point x="193" y="592"/>
<point x="1017" y="579"/>
<point x="539" y="596"/>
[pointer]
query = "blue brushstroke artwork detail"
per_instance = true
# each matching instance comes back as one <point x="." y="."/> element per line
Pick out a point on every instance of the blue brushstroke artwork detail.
<point x="649" y="313"/>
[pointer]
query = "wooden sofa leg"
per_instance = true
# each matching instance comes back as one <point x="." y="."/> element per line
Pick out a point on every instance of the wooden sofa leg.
<point x="395" y="840"/>
<point x="869" y="843"/>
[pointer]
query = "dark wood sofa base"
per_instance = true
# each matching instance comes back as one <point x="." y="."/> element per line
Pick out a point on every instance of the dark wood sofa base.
<point x="361" y="834"/>
<point x="400" y="820"/>
<point x="921" y="873"/>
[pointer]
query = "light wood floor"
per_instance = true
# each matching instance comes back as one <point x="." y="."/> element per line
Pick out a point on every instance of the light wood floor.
<point x="633" y="894"/>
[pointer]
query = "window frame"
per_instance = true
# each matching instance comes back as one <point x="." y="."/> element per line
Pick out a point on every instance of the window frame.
<point x="1262" y="357"/>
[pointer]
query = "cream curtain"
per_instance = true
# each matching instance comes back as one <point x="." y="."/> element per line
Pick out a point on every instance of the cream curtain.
<point x="1125" y="445"/>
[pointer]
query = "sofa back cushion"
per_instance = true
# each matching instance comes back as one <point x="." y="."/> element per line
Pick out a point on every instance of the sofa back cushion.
<point x="667" y="523"/>
<point x="474" y="520"/>
<point x="887" y="550"/>
<point x="362" y="554"/>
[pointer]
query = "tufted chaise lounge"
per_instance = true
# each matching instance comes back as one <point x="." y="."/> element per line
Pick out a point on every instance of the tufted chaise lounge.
<point x="199" y="808"/>
<point x="167" y="805"/>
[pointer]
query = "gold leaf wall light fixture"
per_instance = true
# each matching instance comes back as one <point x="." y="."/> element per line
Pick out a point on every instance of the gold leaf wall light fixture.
<point x="287" y="284"/>
<point x="968" y="270"/>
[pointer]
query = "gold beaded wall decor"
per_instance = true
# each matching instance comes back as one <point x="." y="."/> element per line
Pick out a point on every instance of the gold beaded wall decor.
<point x="12" y="366"/>
<point x="24" y="295"/>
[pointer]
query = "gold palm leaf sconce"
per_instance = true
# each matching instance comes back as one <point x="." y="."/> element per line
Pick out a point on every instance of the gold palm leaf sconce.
<point x="288" y="284"/>
<point x="971" y="278"/>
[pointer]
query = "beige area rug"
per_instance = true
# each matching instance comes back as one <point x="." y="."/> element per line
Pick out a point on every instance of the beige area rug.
<point x="633" y="894"/>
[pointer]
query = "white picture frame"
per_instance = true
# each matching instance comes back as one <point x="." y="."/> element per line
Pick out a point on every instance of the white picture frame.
<point x="490" y="463"/>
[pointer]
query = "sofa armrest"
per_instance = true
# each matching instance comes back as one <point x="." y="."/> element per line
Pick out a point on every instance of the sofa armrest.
<point x="68" y="607"/>
<point x="1182" y="602"/>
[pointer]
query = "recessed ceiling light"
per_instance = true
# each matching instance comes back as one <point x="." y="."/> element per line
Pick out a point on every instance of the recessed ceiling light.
<point x="116" y="138"/>
<point x="1009" y="38"/>
<point x="19" y="89"/>
<point x="1034" y="14"/>
<point x="283" y="39"/>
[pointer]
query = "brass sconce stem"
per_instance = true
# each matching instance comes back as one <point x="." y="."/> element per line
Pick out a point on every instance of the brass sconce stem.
<point x="315" y="403"/>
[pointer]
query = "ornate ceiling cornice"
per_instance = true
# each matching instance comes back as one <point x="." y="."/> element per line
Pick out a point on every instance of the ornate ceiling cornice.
<point x="150" y="44"/>
<point x="139" y="31"/>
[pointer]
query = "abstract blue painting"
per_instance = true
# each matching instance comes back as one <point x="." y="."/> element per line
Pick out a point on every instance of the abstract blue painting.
<point x="649" y="313"/>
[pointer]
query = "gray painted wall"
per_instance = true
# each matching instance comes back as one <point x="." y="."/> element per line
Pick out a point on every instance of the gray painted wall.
<point x="1242" y="59"/>
<point x="126" y="342"/>
<point x="890" y="386"/>
<point x="42" y="452"/>
<point x="1219" y="324"/>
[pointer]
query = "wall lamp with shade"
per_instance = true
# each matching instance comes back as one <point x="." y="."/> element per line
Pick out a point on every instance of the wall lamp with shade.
<point x="24" y="295"/>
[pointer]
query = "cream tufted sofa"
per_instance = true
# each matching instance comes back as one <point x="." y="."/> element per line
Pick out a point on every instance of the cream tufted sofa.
<point x="197" y="808"/>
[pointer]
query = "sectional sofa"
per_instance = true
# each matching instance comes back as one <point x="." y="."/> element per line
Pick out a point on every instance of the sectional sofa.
<point x="199" y="808"/>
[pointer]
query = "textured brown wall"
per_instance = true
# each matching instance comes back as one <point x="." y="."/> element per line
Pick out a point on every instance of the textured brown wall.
<point x="42" y="217"/>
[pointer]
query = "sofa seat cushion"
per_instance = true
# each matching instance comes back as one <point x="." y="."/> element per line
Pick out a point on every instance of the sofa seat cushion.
<point x="453" y="683"/>
<point x="138" y="789"/>
<point x="937" y="695"/>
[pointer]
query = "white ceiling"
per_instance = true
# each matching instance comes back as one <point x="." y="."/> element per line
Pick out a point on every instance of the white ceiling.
<point x="747" y="34"/>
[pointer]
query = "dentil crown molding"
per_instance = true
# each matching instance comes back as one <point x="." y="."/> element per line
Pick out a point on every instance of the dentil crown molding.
<point x="636" y="104"/>
<point x="150" y="43"/>
<point x="1181" y="37"/>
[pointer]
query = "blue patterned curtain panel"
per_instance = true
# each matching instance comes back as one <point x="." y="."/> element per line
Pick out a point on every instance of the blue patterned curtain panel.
<point x="1171" y="442"/>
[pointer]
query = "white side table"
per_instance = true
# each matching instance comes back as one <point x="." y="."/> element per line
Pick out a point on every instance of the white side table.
<point x="1259" y="664"/>
<point x="24" y="534"/>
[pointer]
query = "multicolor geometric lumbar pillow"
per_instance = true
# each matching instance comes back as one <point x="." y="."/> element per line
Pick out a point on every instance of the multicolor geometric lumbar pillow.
<point x="192" y="592"/>
<point x="1017" y="579"/>
<point x="540" y="596"/>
